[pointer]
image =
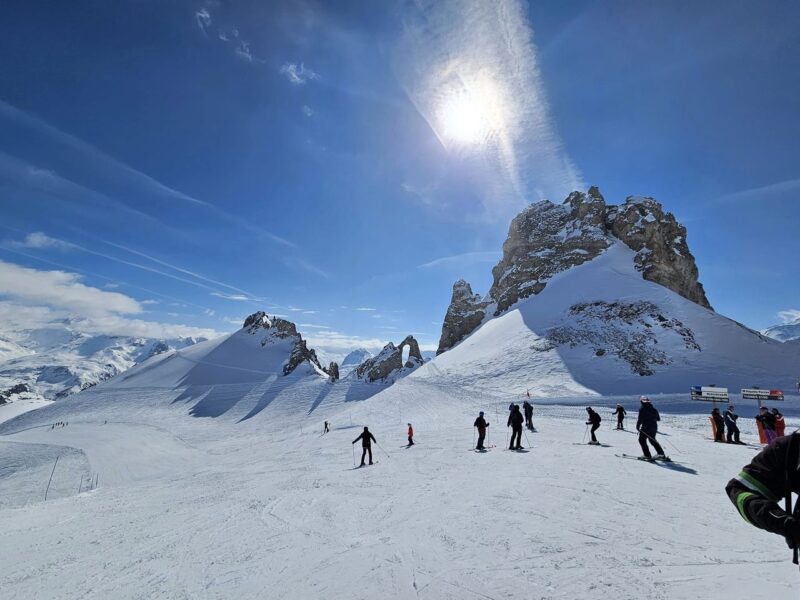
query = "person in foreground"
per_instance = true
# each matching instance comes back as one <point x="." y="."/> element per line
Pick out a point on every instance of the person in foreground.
<point x="366" y="444"/>
<point x="770" y="477"/>
<point x="647" y="426"/>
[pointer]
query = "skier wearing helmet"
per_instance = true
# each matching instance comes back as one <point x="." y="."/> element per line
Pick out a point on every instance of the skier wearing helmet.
<point x="647" y="426"/>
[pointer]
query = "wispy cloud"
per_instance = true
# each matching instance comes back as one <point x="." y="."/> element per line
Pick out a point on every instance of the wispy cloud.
<point x="366" y="309"/>
<point x="295" y="262"/>
<point x="235" y="297"/>
<point x="772" y="191"/>
<point x="203" y="19"/>
<point x="313" y="326"/>
<point x="462" y="259"/>
<point x="307" y="110"/>
<point x="298" y="74"/>
<point x="121" y="173"/>
<point x="475" y="63"/>
<point x="790" y="316"/>
<point x="38" y="241"/>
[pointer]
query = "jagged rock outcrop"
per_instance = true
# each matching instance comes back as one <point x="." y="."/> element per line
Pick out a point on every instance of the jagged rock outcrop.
<point x="466" y="311"/>
<point x="389" y="362"/>
<point x="281" y="329"/>
<point x="662" y="254"/>
<point x="333" y="371"/>
<point x="20" y="388"/>
<point x="547" y="238"/>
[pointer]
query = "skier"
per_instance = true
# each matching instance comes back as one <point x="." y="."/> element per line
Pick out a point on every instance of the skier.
<point x="410" y="435"/>
<point x="528" y="409"/>
<point x="780" y="423"/>
<point x="327" y="427"/>
<point x="481" y="424"/>
<point x="647" y="426"/>
<point x="366" y="444"/>
<point x="771" y="476"/>
<point x="515" y="421"/>
<point x="731" y="426"/>
<point x="594" y="421"/>
<point x="620" y="412"/>
<point x="767" y="420"/>
<point x="719" y="424"/>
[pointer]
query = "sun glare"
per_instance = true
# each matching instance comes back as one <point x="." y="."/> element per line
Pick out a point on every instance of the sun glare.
<point x="465" y="119"/>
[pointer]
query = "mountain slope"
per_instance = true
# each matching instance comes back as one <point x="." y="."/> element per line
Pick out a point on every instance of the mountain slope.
<point x="785" y="332"/>
<point x="600" y="328"/>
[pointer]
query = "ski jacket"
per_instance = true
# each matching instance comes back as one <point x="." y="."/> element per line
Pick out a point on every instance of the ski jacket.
<point x="594" y="418"/>
<point x="515" y="419"/>
<point x="718" y="420"/>
<point x="620" y="412"/>
<point x="528" y="409"/>
<point x="730" y="418"/>
<point x="410" y="431"/>
<point x="771" y="476"/>
<point x="780" y="426"/>
<point x="366" y="439"/>
<point x="481" y="424"/>
<point x="648" y="419"/>
<point x="767" y="420"/>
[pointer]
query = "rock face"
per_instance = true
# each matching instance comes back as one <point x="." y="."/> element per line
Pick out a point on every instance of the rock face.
<point x="388" y="364"/>
<point x="280" y="329"/>
<point x="546" y="239"/>
<point x="466" y="311"/>
<point x="333" y="371"/>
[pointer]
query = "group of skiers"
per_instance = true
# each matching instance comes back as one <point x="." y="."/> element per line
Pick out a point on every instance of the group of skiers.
<point x="646" y="425"/>
<point x="772" y="423"/>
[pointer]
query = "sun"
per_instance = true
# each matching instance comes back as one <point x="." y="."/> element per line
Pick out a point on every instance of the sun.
<point x="465" y="119"/>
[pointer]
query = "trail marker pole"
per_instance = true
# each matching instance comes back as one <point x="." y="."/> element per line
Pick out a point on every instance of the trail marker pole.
<point x="51" y="477"/>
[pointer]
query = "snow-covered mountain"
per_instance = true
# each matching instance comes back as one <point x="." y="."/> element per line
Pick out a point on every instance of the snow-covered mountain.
<point x="54" y="362"/>
<point x="785" y="332"/>
<point x="356" y="357"/>
<point x="596" y="299"/>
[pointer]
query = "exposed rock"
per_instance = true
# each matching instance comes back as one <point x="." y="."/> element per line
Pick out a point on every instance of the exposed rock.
<point x="281" y="329"/>
<point x="389" y="362"/>
<point x="466" y="311"/>
<point x="546" y="239"/>
<point x="20" y="388"/>
<point x="662" y="254"/>
<point x="333" y="371"/>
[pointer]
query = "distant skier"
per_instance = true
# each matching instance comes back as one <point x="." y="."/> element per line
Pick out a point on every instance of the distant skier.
<point x="770" y="477"/>
<point x="481" y="424"/>
<point x="647" y="426"/>
<point x="527" y="407"/>
<point x="620" y="412"/>
<point x="767" y="420"/>
<point x="410" y="435"/>
<point x="515" y="421"/>
<point x="719" y="424"/>
<point x="366" y="444"/>
<point x="327" y="427"/>
<point x="780" y="423"/>
<point x="730" y="424"/>
<point x="594" y="421"/>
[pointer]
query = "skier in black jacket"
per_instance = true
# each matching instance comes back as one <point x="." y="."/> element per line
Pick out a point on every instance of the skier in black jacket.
<point x="366" y="444"/>
<point x="515" y="421"/>
<point x="528" y="409"/>
<point x="481" y="424"/>
<point x="594" y="421"/>
<point x="719" y="424"/>
<point x="731" y="426"/>
<point x="771" y="476"/>
<point x="647" y="426"/>
<point x="620" y="412"/>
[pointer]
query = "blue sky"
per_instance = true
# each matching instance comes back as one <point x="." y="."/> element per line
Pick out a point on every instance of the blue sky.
<point x="186" y="163"/>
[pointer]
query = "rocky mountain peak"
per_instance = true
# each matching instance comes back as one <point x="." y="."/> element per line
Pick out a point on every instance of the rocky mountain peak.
<point x="276" y="329"/>
<point x="388" y="364"/>
<point x="547" y="238"/>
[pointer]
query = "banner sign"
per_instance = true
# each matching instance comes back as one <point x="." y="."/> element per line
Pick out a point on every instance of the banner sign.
<point x="709" y="393"/>
<point x="759" y="394"/>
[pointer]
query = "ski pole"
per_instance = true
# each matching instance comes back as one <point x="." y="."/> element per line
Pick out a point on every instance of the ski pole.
<point x="473" y="438"/>
<point x="384" y="451"/>
<point x="584" y="433"/>
<point x="526" y="438"/>
<point x="354" y="454"/>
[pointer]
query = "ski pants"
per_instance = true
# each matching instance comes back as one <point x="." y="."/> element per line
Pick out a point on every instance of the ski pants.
<point x="516" y="433"/>
<point x="619" y="422"/>
<point x="644" y="438"/>
<point x="720" y="429"/>
<point x="364" y="451"/>
<point x="410" y="441"/>
<point x="733" y="434"/>
<point x="595" y="427"/>
<point x="529" y="421"/>
<point x="481" y="437"/>
<point x="771" y="435"/>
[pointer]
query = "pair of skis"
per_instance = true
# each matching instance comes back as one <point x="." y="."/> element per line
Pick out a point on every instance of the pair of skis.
<point x="645" y="459"/>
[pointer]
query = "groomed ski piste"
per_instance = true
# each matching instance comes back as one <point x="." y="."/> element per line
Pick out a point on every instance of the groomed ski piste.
<point x="204" y="473"/>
